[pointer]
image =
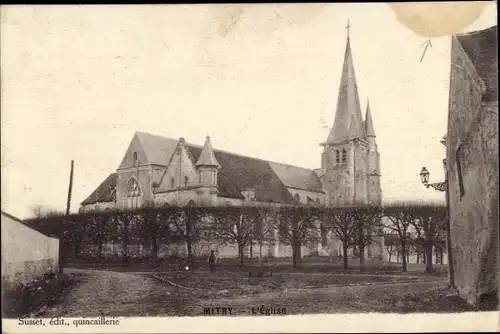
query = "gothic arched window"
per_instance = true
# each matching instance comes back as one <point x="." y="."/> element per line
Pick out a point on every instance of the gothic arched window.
<point x="337" y="156"/>
<point x="344" y="155"/>
<point x="172" y="182"/>
<point x="135" y="159"/>
<point x="186" y="181"/>
<point x="133" y="188"/>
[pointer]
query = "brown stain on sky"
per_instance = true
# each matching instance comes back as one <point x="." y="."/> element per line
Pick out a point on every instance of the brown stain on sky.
<point x="437" y="19"/>
<point x="226" y="20"/>
<point x="228" y="17"/>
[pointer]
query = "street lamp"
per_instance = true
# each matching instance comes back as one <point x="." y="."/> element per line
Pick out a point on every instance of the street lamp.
<point x="424" y="177"/>
<point x="442" y="186"/>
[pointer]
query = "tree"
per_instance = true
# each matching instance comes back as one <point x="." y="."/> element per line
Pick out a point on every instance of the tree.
<point x="366" y="220"/>
<point x="340" y="221"/>
<point x="399" y="219"/>
<point x="98" y="231"/>
<point x="296" y="226"/>
<point x="39" y="211"/>
<point x="391" y="244"/>
<point x="429" y="221"/>
<point x="189" y="218"/>
<point x="234" y="225"/>
<point x="263" y="230"/>
<point x="156" y="227"/>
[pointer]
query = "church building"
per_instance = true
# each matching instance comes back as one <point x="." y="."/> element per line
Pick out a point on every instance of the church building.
<point x="157" y="170"/>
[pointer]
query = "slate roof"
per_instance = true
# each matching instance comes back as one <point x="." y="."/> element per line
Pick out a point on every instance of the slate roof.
<point x="369" y="129"/>
<point x="237" y="172"/>
<point x="297" y="177"/>
<point x="104" y="193"/>
<point x="207" y="157"/>
<point x="158" y="149"/>
<point x="481" y="48"/>
<point x="348" y="121"/>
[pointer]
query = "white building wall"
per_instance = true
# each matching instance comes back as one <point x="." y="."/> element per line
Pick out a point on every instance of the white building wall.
<point x="26" y="254"/>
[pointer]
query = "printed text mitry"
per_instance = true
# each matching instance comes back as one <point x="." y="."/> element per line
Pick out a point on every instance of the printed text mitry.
<point x="218" y="310"/>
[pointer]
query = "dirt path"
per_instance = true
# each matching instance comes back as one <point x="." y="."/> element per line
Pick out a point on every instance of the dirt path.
<point x="118" y="294"/>
<point x="111" y="293"/>
<point x="346" y="299"/>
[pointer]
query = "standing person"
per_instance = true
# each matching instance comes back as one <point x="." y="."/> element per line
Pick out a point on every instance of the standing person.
<point x="211" y="261"/>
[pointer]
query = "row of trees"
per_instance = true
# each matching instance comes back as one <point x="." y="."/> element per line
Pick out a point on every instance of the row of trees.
<point x="252" y="226"/>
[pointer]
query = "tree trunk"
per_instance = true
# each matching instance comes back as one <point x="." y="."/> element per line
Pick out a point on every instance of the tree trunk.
<point x="418" y="256"/>
<point x="251" y="250"/>
<point x="362" y="257"/>
<point x="99" y="250"/>
<point x="260" y="254"/>
<point x="408" y="256"/>
<point x="240" y="253"/>
<point x="389" y="256"/>
<point x="397" y="256"/>
<point x="403" y="256"/>
<point x="154" y="251"/>
<point x="428" y="263"/>
<point x="126" y="241"/>
<point x="297" y="255"/>
<point x="344" y="254"/>
<point x="189" y="241"/>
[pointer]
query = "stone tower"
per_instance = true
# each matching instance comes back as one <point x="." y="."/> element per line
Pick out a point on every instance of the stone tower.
<point x="374" y="189"/>
<point x="350" y="154"/>
<point x="208" y="168"/>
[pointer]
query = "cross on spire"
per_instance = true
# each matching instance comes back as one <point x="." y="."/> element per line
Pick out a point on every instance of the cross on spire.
<point x="347" y="27"/>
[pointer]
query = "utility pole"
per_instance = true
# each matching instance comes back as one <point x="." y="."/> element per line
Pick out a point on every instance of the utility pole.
<point x="64" y="224"/>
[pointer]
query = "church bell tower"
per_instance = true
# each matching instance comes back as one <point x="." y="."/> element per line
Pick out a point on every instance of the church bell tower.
<point x="345" y="159"/>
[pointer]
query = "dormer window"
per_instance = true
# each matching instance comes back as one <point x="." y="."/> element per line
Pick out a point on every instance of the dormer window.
<point x="172" y="182"/>
<point x="186" y="181"/>
<point x="344" y="156"/>
<point x="135" y="159"/>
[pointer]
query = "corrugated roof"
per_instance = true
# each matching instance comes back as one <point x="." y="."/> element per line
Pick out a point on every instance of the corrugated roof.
<point x="481" y="48"/>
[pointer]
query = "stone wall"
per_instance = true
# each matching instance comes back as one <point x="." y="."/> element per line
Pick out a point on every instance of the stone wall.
<point x="26" y="254"/>
<point x="472" y="162"/>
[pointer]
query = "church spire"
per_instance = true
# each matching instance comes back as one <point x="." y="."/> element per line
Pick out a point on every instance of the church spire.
<point x="369" y="129"/>
<point x="348" y="122"/>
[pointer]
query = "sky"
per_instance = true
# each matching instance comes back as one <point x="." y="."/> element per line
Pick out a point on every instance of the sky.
<point x="261" y="79"/>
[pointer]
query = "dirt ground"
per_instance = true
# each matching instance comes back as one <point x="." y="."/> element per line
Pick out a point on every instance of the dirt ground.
<point x="127" y="294"/>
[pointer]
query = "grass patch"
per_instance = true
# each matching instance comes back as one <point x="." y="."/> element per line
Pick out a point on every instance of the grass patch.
<point x="312" y="264"/>
<point x="22" y="300"/>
